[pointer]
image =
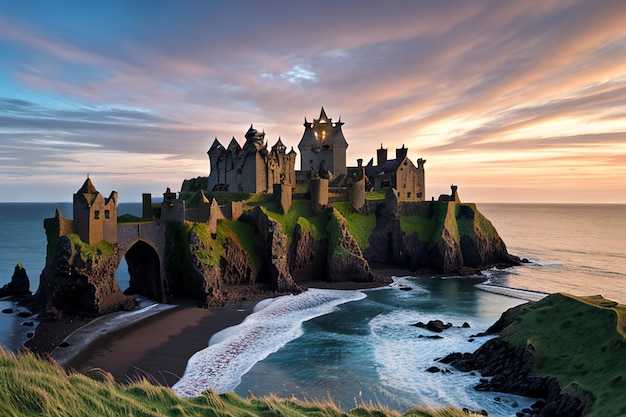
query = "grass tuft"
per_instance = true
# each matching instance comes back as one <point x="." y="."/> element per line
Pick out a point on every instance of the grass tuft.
<point x="30" y="386"/>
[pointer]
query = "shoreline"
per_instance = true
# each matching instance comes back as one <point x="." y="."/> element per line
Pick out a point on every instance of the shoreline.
<point x="158" y="346"/>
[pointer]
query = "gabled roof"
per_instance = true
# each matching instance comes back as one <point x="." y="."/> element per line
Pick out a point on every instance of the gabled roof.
<point x="389" y="167"/>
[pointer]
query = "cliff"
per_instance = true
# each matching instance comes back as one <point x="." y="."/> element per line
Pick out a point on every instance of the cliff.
<point x="567" y="350"/>
<point x="446" y="237"/>
<point x="265" y="252"/>
<point x="80" y="277"/>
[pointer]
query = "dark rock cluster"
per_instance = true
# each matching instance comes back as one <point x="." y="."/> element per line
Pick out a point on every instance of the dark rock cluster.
<point x="511" y="369"/>
<point x="19" y="284"/>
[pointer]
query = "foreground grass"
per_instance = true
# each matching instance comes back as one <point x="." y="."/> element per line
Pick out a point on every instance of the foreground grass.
<point x="582" y="342"/>
<point x="30" y="386"/>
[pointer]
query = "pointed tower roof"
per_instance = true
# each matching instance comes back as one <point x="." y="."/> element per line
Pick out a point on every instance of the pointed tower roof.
<point x="216" y="146"/>
<point x="279" y="146"/>
<point x="323" y="118"/>
<point x="234" y="146"/>
<point x="87" y="188"/>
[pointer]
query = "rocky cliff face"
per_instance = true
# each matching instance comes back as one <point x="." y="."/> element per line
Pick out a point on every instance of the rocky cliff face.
<point x="462" y="241"/>
<point x="345" y="258"/>
<point x="78" y="281"/>
<point x="215" y="268"/>
<point x="566" y="351"/>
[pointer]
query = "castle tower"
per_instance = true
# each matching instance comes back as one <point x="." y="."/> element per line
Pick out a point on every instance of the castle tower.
<point x="217" y="169"/>
<point x="421" y="178"/>
<point x="323" y="140"/>
<point x="95" y="218"/>
<point x="251" y="163"/>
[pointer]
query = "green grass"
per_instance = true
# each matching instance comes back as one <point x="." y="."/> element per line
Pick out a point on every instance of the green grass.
<point x="241" y="233"/>
<point x="423" y="226"/>
<point x="245" y="235"/>
<point x="375" y="195"/>
<point x="359" y="225"/>
<point x="225" y="197"/>
<point x="314" y="228"/>
<point x="98" y="252"/>
<point x="460" y="219"/>
<point x="30" y="386"/>
<point x="582" y="342"/>
<point x="469" y="225"/>
<point x="299" y="209"/>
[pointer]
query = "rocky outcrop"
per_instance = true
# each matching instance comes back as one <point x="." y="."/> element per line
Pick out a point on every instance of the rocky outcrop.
<point x="307" y="255"/>
<point x="456" y="238"/>
<point x="345" y="258"/>
<point x="79" y="281"/>
<point x="275" y="253"/>
<point x="19" y="284"/>
<point x="214" y="284"/>
<point x="511" y="369"/>
<point x="566" y="351"/>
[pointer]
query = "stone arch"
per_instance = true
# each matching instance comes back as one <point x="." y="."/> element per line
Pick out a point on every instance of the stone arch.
<point x="144" y="268"/>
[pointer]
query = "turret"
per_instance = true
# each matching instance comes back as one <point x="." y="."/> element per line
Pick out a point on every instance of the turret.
<point x="381" y="156"/>
<point x="323" y="140"/>
<point x="401" y="152"/>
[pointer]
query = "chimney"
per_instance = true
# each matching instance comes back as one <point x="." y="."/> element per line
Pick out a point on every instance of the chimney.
<point x="359" y="162"/>
<point x="381" y="156"/>
<point x="401" y="152"/>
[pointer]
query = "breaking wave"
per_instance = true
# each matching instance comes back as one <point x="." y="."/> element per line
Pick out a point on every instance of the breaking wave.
<point x="275" y="323"/>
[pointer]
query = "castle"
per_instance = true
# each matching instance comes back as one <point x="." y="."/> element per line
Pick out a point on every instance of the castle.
<point x="251" y="168"/>
<point x="323" y="146"/>
<point x="254" y="169"/>
<point x="95" y="217"/>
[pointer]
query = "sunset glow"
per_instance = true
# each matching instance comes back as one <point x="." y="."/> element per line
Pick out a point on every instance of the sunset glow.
<point x="512" y="101"/>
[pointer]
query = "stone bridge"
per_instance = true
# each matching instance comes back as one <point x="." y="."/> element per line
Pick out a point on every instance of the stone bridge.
<point x="143" y="246"/>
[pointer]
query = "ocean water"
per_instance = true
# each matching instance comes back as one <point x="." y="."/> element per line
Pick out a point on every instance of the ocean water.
<point x="357" y="347"/>
<point x="577" y="249"/>
<point x="360" y="346"/>
<point x="23" y="240"/>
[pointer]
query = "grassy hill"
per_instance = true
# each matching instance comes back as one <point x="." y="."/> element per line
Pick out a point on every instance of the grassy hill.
<point x="582" y="342"/>
<point x="30" y="386"/>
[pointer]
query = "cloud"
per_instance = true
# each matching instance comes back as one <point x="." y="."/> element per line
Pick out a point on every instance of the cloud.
<point x="469" y="82"/>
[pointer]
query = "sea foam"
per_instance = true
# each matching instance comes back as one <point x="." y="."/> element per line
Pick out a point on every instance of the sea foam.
<point x="221" y="365"/>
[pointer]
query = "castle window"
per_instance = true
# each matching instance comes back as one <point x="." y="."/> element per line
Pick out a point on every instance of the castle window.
<point x="96" y="214"/>
<point x="107" y="214"/>
<point x="408" y="195"/>
<point x="419" y="195"/>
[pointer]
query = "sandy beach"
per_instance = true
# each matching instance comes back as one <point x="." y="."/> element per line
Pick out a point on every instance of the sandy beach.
<point x="158" y="348"/>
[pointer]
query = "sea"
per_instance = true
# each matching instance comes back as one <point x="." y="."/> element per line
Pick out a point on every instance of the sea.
<point x="361" y="346"/>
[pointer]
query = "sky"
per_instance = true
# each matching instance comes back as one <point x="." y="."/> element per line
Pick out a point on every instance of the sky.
<point x="513" y="101"/>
